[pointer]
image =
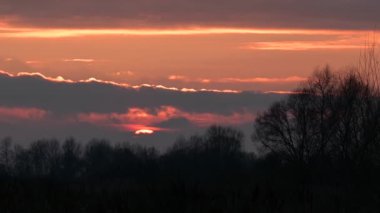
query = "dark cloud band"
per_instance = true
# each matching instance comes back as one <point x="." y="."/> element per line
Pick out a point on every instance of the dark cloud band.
<point x="343" y="14"/>
<point x="85" y="97"/>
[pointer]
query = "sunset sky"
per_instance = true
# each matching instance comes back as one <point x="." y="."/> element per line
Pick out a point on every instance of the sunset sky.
<point x="127" y="69"/>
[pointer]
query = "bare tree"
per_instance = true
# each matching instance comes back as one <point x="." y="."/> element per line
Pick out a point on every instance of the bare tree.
<point x="301" y="126"/>
<point x="333" y="115"/>
<point x="369" y="65"/>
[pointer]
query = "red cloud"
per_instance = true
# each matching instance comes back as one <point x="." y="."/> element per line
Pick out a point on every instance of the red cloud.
<point x="139" y="118"/>
<point x="18" y="113"/>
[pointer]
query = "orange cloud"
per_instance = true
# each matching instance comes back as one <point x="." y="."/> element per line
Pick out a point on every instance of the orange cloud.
<point x="187" y="79"/>
<point x="33" y="62"/>
<point x="177" y="77"/>
<point x="239" y="80"/>
<point x="27" y="32"/>
<point x="83" y="60"/>
<point x="355" y="42"/>
<point x="263" y="80"/>
<point x="120" y="73"/>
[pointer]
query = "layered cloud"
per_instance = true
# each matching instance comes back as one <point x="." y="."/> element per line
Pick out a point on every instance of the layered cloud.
<point x="31" y="101"/>
<point x="12" y="114"/>
<point x="93" y="95"/>
<point x="268" y="13"/>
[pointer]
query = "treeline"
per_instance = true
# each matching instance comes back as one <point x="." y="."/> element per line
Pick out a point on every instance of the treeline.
<point x="203" y="173"/>
<point x="318" y="150"/>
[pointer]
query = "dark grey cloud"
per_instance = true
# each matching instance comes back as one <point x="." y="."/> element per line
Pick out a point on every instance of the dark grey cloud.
<point x="345" y="14"/>
<point x="87" y="97"/>
<point x="176" y="123"/>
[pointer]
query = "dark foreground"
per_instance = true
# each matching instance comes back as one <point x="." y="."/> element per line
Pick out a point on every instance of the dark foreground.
<point x="196" y="175"/>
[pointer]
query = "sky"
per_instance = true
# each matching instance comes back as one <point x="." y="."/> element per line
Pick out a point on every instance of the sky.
<point x="152" y="70"/>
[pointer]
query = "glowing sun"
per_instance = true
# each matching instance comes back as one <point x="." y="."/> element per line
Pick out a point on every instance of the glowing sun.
<point x="144" y="132"/>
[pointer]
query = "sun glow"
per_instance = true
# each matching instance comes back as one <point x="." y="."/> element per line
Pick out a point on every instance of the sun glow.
<point x="144" y="132"/>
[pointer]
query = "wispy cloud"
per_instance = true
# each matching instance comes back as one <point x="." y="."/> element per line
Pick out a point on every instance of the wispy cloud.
<point x="187" y="79"/>
<point x="348" y="42"/>
<point x="83" y="60"/>
<point x="37" y="74"/>
<point x="65" y="80"/>
<point x="237" y="80"/>
<point x="264" y="80"/>
<point x="33" y="62"/>
<point x="122" y="73"/>
<point x="25" y="32"/>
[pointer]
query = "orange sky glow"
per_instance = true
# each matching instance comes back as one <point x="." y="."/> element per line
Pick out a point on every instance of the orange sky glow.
<point x="188" y="59"/>
<point x="165" y="67"/>
<point x="212" y="59"/>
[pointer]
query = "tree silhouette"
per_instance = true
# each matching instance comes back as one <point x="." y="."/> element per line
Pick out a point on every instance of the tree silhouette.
<point x="6" y="156"/>
<point x="301" y="127"/>
<point x="44" y="156"/>
<point x="98" y="157"/>
<point x="71" y="159"/>
<point x="332" y="118"/>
